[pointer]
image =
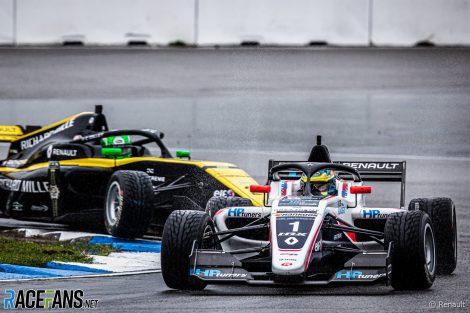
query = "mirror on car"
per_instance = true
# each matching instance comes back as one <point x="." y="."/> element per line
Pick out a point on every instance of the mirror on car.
<point x="183" y="154"/>
<point x="360" y="189"/>
<point x="260" y="188"/>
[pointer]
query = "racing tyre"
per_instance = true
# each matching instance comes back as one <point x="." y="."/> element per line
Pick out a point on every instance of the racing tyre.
<point x="128" y="204"/>
<point x="182" y="228"/>
<point x="442" y="214"/>
<point x="216" y="203"/>
<point x="413" y="253"/>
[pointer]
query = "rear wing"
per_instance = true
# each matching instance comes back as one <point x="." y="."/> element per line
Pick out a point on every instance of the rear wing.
<point x="9" y="133"/>
<point x="381" y="172"/>
<point x="369" y="171"/>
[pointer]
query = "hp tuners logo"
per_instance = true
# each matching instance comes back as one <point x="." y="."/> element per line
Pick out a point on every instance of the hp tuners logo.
<point x="348" y="275"/>
<point x="373" y="214"/>
<point x="357" y="275"/>
<point x="215" y="273"/>
<point x="240" y="212"/>
<point x="206" y="272"/>
<point x="224" y="193"/>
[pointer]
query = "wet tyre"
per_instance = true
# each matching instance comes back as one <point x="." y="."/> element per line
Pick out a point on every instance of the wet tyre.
<point x="413" y="253"/>
<point x="217" y="203"/>
<point x="443" y="217"/>
<point x="181" y="230"/>
<point x="128" y="204"/>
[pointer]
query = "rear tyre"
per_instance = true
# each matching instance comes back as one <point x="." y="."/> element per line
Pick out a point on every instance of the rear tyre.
<point x="443" y="217"/>
<point x="413" y="253"/>
<point x="181" y="229"/>
<point x="128" y="204"/>
<point x="418" y="204"/>
<point x="217" y="203"/>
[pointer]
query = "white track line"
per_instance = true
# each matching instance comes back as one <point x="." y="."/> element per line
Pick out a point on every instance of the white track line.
<point x="82" y="276"/>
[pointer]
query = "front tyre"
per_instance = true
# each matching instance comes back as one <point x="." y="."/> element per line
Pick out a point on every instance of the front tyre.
<point x="442" y="213"/>
<point x="182" y="229"/>
<point x="413" y="253"/>
<point x="128" y="204"/>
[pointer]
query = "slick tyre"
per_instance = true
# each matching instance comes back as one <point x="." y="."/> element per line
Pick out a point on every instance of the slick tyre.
<point x="181" y="230"/>
<point x="413" y="253"/>
<point x="217" y="203"/>
<point x="128" y="204"/>
<point x="443" y="217"/>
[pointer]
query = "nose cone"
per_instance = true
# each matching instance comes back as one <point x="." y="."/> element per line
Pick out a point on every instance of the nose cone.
<point x="294" y="233"/>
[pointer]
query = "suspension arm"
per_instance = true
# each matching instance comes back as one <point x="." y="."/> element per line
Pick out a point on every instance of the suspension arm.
<point x="356" y="230"/>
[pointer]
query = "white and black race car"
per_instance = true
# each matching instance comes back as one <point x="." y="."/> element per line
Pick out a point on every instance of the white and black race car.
<point x="302" y="237"/>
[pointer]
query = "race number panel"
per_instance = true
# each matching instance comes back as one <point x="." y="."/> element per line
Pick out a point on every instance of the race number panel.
<point x="292" y="231"/>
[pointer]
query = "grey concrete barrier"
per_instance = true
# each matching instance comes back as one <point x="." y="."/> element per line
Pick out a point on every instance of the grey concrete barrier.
<point x="406" y="23"/>
<point x="7" y="36"/>
<point x="227" y="22"/>
<point x="105" y="22"/>
<point x="294" y="22"/>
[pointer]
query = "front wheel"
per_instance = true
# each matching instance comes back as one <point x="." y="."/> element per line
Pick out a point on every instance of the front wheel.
<point x="413" y="253"/>
<point x="182" y="229"/>
<point x="128" y="204"/>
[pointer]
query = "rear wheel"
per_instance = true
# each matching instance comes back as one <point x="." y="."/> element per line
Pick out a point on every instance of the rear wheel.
<point x="181" y="230"/>
<point x="413" y="253"/>
<point x="217" y="203"/>
<point x="128" y="204"/>
<point x="443" y="217"/>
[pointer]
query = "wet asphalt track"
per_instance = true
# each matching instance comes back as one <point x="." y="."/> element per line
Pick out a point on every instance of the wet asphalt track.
<point x="248" y="105"/>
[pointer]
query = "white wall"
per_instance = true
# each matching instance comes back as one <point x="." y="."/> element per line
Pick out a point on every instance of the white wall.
<point x="295" y="22"/>
<point x="282" y="22"/>
<point x="406" y="22"/>
<point x="105" y="21"/>
<point x="6" y="22"/>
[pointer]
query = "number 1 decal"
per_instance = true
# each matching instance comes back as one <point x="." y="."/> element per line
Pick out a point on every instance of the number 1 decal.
<point x="295" y="226"/>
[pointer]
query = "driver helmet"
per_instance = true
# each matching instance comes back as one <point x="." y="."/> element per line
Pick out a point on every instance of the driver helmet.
<point x="321" y="183"/>
<point x="117" y="142"/>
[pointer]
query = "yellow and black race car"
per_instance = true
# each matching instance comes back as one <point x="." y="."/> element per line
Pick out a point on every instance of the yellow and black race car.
<point x="78" y="171"/>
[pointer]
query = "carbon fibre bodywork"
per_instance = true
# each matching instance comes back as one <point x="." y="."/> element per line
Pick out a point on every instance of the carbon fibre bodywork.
<point x="58" y="173"/>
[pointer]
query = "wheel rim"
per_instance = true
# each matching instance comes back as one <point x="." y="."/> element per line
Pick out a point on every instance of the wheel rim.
<point x="113" y="203"/>
<point x="429" y="249"/>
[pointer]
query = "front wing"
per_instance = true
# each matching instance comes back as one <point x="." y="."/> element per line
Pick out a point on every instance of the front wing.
<point x="219" y="267"/>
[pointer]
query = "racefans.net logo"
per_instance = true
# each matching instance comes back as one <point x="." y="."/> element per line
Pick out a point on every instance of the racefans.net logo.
<point x="47" y="299"/>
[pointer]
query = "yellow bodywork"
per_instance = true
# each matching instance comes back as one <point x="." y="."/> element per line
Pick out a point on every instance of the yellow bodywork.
<point x="229" y="174"/>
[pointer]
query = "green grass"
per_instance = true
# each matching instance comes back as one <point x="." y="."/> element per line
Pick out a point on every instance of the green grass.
<point x="28" y="253"/>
